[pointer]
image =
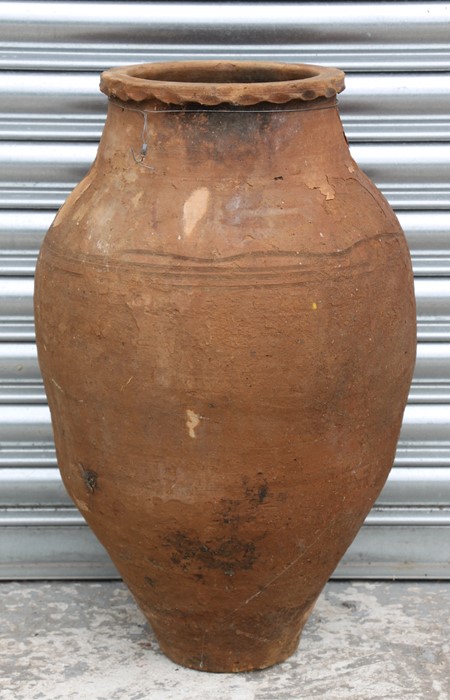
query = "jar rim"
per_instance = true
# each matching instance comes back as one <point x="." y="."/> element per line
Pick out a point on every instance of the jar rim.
<point x="216" y="82"/>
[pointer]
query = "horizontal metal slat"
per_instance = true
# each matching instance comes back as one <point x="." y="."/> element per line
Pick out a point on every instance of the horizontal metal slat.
<point x="22" y="232"/>
<point x="424" y="439"/>
<point x="21" y="235"/>
<point x="32" y="487"/>
<point x="411" y="176"/>
<point x="433" y="308"/>
<point x="416" y="487"/>
<point x="169" y="21"/>
<point x="431" y="381"/>
<point x="407" y="516"/>
<point x="41" y="175"/>
<point x="28" y="455"/>
<point x="51" y="106"/>
<point x="61" y="551"/>
<point x="16" y="308"/>
<point x="20" y="379"/>
<point x="69" y="106"/>
<point x="358" y="36"/>
<point x="427" y="234"/>
<point x="394" y="57"/>
<point x="400" y="552"/>
<point x="55" y="95"/>
<point x="397" y="107"/>
<point x="40" y="517"/>
<point x="25" y="426"/>
<point x="425" y="424"/>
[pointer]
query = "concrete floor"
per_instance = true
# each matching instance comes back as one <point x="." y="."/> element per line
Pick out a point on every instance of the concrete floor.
<point x="88" y="641"/>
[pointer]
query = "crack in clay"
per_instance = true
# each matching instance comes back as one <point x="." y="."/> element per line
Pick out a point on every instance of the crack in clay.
<point x="360" y="182"/>
<point x="289" y="566"/>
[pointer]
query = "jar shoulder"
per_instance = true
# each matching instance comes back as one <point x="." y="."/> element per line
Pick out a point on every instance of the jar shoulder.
<point x="111" y="214"/>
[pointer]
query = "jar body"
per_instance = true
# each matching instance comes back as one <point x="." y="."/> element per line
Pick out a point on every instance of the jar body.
<point x="226" y="331"/>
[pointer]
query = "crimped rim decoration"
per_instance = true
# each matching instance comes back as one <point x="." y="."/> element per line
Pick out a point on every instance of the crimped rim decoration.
<point x="216" y="82"/>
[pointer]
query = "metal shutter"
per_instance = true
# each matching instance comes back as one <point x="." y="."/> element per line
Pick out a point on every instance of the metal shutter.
<point x="396" y="113"/>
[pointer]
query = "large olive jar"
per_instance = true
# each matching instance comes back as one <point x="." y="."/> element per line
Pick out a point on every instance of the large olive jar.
<point x="225" y="321"/>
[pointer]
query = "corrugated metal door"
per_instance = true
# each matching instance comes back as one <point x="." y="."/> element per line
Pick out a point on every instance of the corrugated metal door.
<point x="396" y="113"/>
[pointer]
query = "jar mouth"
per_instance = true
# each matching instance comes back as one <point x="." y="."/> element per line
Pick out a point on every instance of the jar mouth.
<point x="216" y="82"/>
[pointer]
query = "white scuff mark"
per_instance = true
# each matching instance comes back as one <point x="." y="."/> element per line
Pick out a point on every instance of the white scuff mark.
<point x="234" y="203"/>
<point x="57" y="385"/>
<point x="194" y="209"/>
<point x="193" y="419"/>
<point x="81" y="505"/>
<point x="75" y="195"/>
<point x="249" y="214"/>
<point x="136" y="199"/>
<point x="102" y="246"/>
<point x="126" y="383"/>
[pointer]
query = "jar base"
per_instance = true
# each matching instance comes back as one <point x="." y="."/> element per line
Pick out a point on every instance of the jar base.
<point x="217" y="659"/>
<point x="230" y="650"/>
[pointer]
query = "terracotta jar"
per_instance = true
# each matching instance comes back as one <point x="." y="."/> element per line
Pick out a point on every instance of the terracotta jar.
<point x="225" y="320"/>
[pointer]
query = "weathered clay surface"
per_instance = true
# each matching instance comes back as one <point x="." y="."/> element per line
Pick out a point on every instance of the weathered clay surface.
<point x="226" y="329"/>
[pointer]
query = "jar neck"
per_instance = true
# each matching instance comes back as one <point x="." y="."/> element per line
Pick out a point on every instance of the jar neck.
<point x="191" y="140"/>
